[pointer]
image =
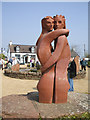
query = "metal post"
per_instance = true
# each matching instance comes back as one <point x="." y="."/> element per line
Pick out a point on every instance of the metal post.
<point x="84" y="50"/>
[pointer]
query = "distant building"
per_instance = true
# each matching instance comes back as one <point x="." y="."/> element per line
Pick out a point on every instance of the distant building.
<point x="2" y="50"/>
<point x="74" y="54"/>
<point x="24" y="53"/>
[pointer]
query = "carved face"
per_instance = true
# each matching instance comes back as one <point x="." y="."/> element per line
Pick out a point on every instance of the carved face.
<point x="48" y="24"/>
<point x="59" y="23"/>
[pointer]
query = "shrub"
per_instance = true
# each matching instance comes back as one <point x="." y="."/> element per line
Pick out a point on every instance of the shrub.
<point x="88" y="63"/>
<point x="2" y="56"/>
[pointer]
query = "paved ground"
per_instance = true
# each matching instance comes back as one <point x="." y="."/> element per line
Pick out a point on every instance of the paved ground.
<point x="20" y="99"/>
<point x="19" y="86"/>
<point x="27" y="106"/>
<point x="81" y="85"/>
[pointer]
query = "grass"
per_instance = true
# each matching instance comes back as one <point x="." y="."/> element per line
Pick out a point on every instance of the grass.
<point x="83" y="116"/>
<point x="0" y="118"/>
<point x="87" y="93"/>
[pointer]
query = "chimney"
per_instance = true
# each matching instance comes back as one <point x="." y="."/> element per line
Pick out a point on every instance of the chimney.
<point x="10" y="43"/>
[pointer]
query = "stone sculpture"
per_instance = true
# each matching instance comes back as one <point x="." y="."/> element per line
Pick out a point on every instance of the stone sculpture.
<point x="53" y="85"/>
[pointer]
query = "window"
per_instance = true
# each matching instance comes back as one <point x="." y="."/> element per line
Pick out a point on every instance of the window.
<point x="33" y="49"/>
<point x="17" y="56"/>
<point x="17" y="49"/>
<point x="33" y="56"/>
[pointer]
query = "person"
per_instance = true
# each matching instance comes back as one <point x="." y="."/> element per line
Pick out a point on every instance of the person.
<point x="84" y="64"/>
<point x="2" y="63"/>
<point x="71" y="73"/>
<point x="33" y="62"/>
<point x="11" y="60"/>
<point x="18" y="61"/>
<point x="37" y="65"/>
<point x="14" y="61"/>
<point x="6" y="64"/>
<point x="81" y="64"/>
<point x="9" y="65"/>
<point x="30" y="63"/>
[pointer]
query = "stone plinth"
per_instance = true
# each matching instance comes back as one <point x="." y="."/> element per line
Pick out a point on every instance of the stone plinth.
<point x="27" y="106"/>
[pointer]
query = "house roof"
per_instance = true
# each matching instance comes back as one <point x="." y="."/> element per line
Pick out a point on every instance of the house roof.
<point x="23" y="48"/>
<point x="73" y="53"/>
<point x="27" y="49"/>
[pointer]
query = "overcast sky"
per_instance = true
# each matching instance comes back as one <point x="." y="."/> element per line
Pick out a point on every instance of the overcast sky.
<point x="21" y="22"/>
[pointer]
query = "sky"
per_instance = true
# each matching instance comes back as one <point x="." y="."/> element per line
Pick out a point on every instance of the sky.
<point x="89" y="28"/>
<point x="21" y="22"/>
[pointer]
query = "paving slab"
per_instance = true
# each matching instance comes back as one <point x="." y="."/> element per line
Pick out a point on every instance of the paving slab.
<point x="18" y="106"/>
<point x="77" y="103"/>
<point x="28" y="107"/>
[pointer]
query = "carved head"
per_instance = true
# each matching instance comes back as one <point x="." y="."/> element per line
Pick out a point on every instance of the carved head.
<point x="47" y="23"/>
<point x="59" y="22"/>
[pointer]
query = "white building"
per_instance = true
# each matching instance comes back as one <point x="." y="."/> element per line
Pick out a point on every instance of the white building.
<point x="3" y="51"/>
<point x="22" y="52"/>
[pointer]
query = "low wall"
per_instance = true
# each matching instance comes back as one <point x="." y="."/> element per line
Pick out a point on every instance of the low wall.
<point x="23" y="75"/>
<point x="34" y="75"/>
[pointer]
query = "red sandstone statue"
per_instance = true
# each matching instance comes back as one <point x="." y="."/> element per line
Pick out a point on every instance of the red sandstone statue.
<point x="53" y="85"/>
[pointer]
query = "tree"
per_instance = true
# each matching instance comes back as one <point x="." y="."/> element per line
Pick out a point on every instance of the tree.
<point x="76" y="49"/>
<point x="2" y="56"/>
<point x="88" y="55"/>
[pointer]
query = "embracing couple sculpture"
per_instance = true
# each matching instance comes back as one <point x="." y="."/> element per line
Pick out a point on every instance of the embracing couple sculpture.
<point x="53" y="85"/>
